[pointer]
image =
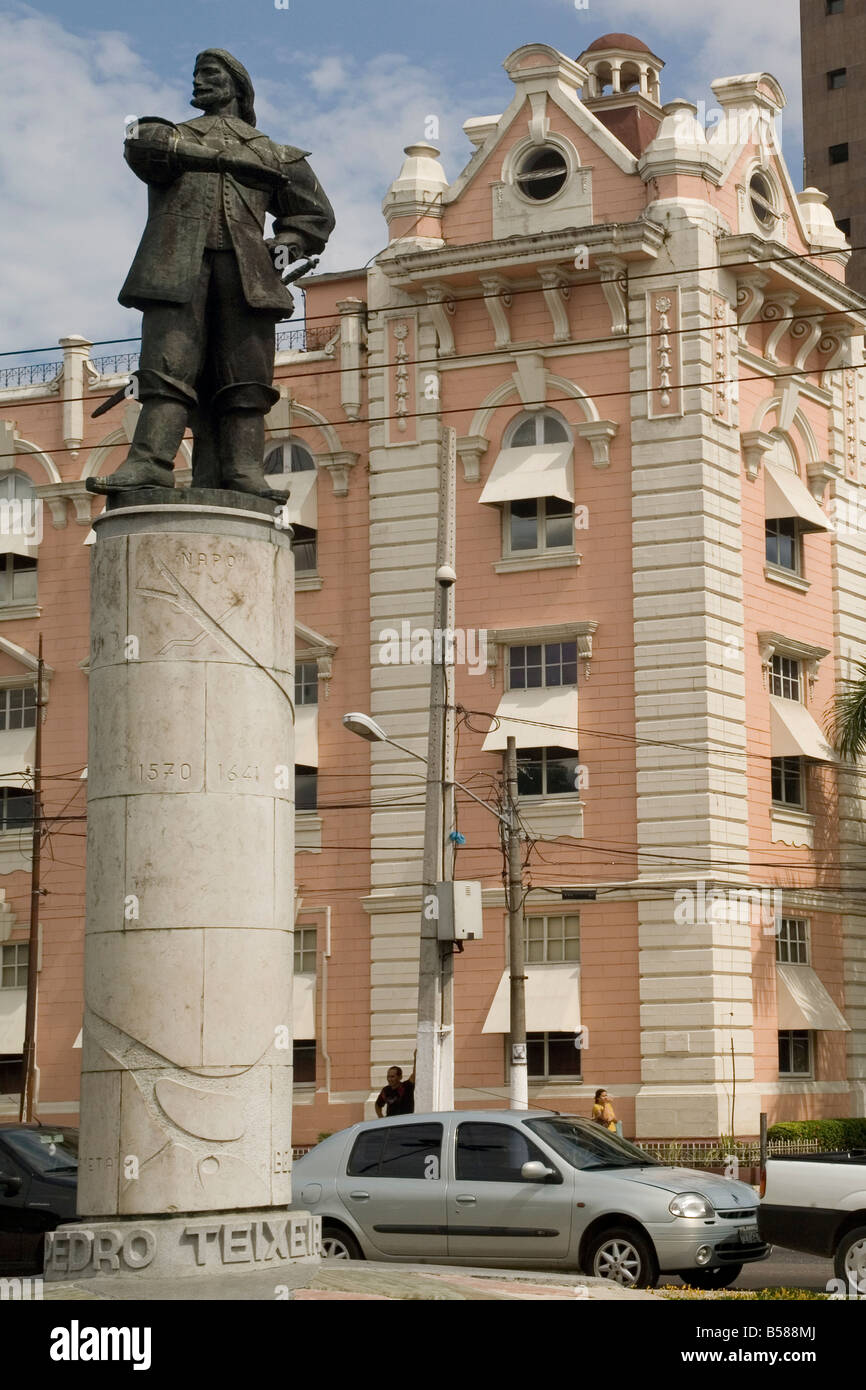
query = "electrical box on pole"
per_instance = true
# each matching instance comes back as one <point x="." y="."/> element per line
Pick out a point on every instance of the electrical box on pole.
<point x="459" y="916"/>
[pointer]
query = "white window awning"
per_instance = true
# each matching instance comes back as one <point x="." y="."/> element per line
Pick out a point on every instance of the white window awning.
<point x="302" y="506"/>
<point x="307" y="735"/>
<point x="786" y="496"/>
<point x="552" y="1001"/>
<point x="537" y="471"/>
<point x="13" y="1008"/>
<point x="17" y="757"/>
<point x="803" y="1001"/>
<point x="545" y="718"/>
<point x="304" y="1006"/>
<point x="18" y="545"/>
<point x="794" y="733"/>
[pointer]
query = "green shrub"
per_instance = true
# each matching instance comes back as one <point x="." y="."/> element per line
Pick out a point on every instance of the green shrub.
<point x="831" y="1134"/>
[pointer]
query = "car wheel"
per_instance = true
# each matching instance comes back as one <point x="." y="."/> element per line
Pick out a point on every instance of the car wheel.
<point x="849" y="1260"/>
<point x="625" y="1257"/>
<point x="720" y="1278"/>
<point x="339" y="1245"/>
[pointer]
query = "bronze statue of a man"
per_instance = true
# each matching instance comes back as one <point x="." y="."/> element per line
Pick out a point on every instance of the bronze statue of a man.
<point x="208" y="282"/>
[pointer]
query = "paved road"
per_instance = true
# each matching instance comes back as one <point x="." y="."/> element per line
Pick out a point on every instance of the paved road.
<point x="784" y="1269"/>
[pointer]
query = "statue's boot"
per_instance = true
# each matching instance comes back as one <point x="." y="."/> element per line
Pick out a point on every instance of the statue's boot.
<point x="150" y="461"/>
<point x="241" y="455"/>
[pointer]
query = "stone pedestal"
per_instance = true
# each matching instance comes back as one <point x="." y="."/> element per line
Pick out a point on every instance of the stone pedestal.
<point x="186" y="1093"/>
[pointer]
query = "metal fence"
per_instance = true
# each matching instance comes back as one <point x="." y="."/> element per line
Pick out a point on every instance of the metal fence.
<point x="306" y="339"/>
<point x="300" y="339"/>
<point x="31" y="374"/>
<point x="697" y="1153"/>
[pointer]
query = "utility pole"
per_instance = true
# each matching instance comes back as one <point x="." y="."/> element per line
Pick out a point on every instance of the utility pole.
<point x="434" y="1070"/>
<point x="518" y="1080"/>
<point x="28" y="1060"/>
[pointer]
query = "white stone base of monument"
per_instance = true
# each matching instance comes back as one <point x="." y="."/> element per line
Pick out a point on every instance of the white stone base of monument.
<point x="177" y="1246"/>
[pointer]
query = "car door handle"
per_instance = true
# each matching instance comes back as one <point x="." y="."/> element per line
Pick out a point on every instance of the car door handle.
<point x="360" y="1196"/>
<point x="466" y="1201"/>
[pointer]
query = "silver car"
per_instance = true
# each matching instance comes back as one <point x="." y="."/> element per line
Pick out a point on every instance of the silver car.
<point x="525" y="1190"/>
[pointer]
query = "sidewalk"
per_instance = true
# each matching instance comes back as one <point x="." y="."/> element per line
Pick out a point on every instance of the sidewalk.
<point x="352" y="1281"/>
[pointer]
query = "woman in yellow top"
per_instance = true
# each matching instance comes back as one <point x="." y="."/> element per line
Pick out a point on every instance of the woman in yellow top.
<point x="602" y="1110"/>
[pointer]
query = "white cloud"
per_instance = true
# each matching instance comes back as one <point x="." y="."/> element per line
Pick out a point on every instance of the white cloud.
<point x="357" y="132"/>
<point x="73" y="210"/>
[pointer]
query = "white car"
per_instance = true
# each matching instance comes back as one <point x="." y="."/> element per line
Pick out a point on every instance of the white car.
<point x="525" y="1190"/>
<point x="816" y="1203"/>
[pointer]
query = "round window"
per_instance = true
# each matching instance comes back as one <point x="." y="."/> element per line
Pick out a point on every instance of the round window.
<point x="542" y="174"/>
<point x="761" y="196"/>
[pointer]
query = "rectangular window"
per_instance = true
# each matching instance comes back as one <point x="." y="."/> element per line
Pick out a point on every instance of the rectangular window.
<point x="792" y="941"/>
<point x="539" y="524"/>
<point x="307" y="683"/>
<point x="17" y="579"/>
<point x="844" y="225"/>
<point x="305" y="549"/>
<point x="838" y="153"/>
<point x="305" y="950"/>
<point x="785" y="677"/>
<point x="788" y="782"/>
<point x="834" y="6"/>
<point x="547" y="772"/>
<point x="783" y="544"/>
<point x="306" y="787"/>
<point x="13" y="965"/>
<point x="836" y="78"/>
<point x="795" y="1053"/>
<point x="399" y="1151"/>
<point x="552" y="1055"/>
<point x="554" y="937"/>
<point x="16" y="808"/>
<point x="304" y="1061"/>
<point x="541" y="664"/>
<point x="494" y="1153"/>
<point x="18" y="708"/>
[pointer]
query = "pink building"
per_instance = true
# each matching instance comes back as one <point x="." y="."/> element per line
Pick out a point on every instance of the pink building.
<point x="642" y="335"/>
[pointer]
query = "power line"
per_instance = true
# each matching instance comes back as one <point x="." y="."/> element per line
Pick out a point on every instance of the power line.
<point x="617" y="340"/>
<point x="534" y="289"/>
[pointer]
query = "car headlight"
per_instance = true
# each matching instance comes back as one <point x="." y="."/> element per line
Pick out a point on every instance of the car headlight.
<point x="690" y="1204"/>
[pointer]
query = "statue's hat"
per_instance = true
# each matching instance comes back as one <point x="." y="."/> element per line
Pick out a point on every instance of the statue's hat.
<point x="243" y="81"/>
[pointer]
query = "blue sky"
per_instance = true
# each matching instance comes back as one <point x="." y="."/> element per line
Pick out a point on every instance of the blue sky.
<point x="351" y="81"/>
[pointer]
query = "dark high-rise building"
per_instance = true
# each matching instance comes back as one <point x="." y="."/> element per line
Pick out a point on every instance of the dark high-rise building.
<point x="833" y="38"/>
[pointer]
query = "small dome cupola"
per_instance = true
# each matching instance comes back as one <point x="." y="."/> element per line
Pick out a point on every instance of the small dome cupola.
<point x="620" y="64"/>
<point x="622" y="88"/>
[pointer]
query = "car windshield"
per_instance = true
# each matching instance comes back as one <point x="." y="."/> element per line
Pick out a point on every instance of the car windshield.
<point x="47" y="1150"/>
<point x="586" y="1145"/>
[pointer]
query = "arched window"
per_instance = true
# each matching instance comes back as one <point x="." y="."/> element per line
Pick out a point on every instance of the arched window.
<point x="20" y="534"/>
<point x="541" y="427"/>
<point x="288" y="456"/>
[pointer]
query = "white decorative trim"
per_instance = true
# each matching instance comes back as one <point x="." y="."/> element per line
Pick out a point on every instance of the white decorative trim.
<point x="471" y="449"/>
<point x="599" y="434"/>
<point x="556" y="290"/>
<point x="497" y="298"/>
<point x="614" y="286"/>
<point x="756" y="443"/>
<point x="544" y="560"/>
<point x="440" y="298"/>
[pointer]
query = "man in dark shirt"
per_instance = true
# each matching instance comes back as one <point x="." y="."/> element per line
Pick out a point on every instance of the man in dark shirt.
<point x="398" y="1096"/>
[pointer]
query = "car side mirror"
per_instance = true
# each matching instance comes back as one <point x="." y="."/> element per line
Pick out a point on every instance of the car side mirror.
<point x="535" y="1171"/>
<point x="10" y="1184"/>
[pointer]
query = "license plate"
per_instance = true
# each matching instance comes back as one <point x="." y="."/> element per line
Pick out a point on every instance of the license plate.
<point x="749" y="1235"/>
